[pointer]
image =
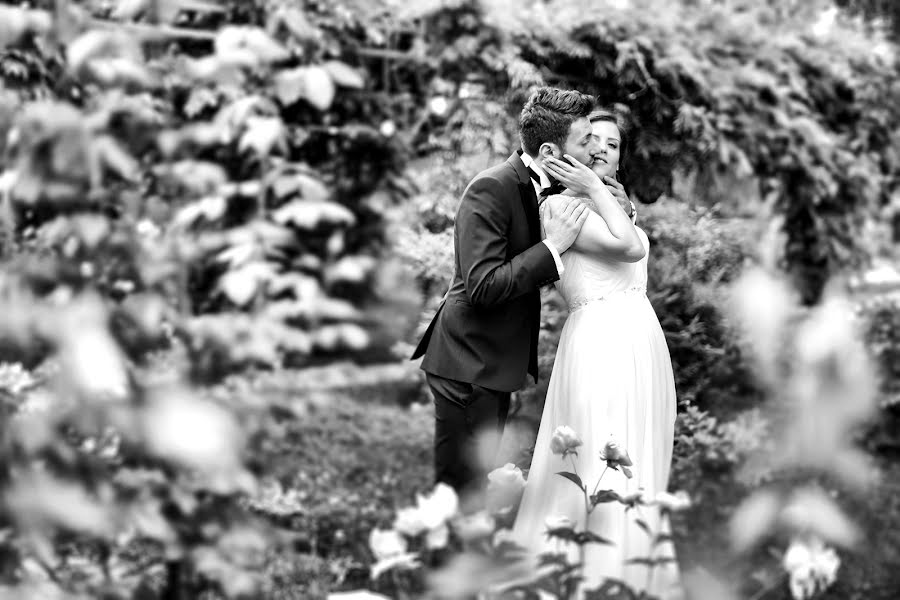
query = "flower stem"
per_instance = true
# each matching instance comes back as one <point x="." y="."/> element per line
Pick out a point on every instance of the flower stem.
<point x="599" y="478"/>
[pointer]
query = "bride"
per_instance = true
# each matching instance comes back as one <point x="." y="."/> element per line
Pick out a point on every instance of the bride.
<point x="612" y="377"/>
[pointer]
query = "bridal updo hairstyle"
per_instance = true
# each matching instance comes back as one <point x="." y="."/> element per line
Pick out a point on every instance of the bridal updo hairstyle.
<point x="548" y="115"/>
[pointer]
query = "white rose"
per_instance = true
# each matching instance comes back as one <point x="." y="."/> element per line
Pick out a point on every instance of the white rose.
<point x="564" y="441"/>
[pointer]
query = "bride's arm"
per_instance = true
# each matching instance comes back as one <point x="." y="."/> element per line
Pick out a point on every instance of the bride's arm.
<point x="609" y="231"/>
<point x="598" y="238"/>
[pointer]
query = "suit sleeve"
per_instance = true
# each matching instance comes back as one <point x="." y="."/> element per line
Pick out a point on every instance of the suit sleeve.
<point x="483" y="223"/>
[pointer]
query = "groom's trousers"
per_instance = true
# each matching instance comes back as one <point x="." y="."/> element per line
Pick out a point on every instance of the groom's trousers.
<point x="469" y="421"/>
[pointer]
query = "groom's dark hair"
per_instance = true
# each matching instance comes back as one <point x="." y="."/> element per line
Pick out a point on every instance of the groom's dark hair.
<point x="548" y="115"/>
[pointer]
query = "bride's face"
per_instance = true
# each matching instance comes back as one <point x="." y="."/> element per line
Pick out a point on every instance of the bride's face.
<point x="606" y="156"/>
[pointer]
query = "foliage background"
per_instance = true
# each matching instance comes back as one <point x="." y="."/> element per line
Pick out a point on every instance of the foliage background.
<point x="199" y="197"/>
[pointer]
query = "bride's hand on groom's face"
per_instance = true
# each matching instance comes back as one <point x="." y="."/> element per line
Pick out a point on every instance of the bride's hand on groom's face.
<point x="574" y="175"/>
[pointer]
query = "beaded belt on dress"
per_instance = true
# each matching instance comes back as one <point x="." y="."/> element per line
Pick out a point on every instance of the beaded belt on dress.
<point x="580" y="303"/>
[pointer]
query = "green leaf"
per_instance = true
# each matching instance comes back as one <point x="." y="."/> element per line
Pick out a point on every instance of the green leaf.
<point x="573" y="478"/>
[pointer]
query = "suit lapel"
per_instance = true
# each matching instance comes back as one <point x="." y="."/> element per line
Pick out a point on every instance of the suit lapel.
<point x="527" y="196"/>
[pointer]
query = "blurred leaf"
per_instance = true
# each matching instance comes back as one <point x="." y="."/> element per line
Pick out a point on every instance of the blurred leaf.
<point x="114" y="156"/>
<point x="242" y="284"/>
<point x="311" y="214"/>
<point x="235" y="116"/>
<point x="92" y="229"/>
<point x="262" y="134"/>
<point x="197" y="177"/>
<point x="90" y="359"/>
<point x="105" y="45"/>
<point x="211" y="208"/>
<point x="309" y="188"/>
<point x="311" y="83"/>
<point x="344" y="75"/>
<point x="753" y="519"/>
<point x="40" y="501"/>
<point x="297" y="23"/>
<point x="810" y="510"/>
<point x="129" y="10"/>
<point x="236" y="40"/>
<point x="351" y="269"/>
<point x="13" y="25"/>
<point x="199" y="100"/>
<point x="290" y="85"/>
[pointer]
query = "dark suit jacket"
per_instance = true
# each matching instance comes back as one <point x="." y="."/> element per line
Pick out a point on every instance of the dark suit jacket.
<point x="486" y="330"/>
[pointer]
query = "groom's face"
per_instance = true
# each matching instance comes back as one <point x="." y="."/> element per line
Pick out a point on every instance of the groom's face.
<point x="580" y="143"/>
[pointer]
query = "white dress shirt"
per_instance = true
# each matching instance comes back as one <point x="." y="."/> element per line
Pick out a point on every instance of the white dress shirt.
<point x="538" y="187"/>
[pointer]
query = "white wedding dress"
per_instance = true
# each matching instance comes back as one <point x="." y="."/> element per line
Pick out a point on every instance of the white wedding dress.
<point x="612" y="376"/>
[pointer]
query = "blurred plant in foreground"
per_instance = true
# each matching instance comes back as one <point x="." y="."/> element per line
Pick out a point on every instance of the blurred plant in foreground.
<point x="476" y="554"/>
<point x="822" y="387"/>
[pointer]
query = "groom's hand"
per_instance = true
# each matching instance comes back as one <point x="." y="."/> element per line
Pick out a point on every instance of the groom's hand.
<point x="618" y="191"/>
<point x="563" y="226"/>
<point x="574" y="175"/>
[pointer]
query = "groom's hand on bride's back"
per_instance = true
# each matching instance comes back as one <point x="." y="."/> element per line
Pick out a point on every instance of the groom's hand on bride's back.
<point x="564" y="217"/>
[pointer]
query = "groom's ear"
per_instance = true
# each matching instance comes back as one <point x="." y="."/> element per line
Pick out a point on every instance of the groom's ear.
<point x="549" y="150"/>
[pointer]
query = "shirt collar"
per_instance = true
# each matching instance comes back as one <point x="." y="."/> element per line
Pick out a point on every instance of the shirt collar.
<point x="530" y="164"/>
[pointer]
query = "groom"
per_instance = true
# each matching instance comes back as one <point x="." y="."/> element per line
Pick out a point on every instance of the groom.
<point x="482" y="343"/>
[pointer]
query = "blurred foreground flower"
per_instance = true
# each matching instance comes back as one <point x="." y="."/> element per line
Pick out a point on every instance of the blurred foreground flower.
<point x="564" y="441"/>
<point x="475" y="526"/>
<point x="409" y="521"/>
<point x="811" y="565"/>
<point x="556" y="523"/>
<point x="438" y="507"/>
<point x="389" y="548"/>
<point x="505" y="487"/>
<point x="673" y="502"/>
